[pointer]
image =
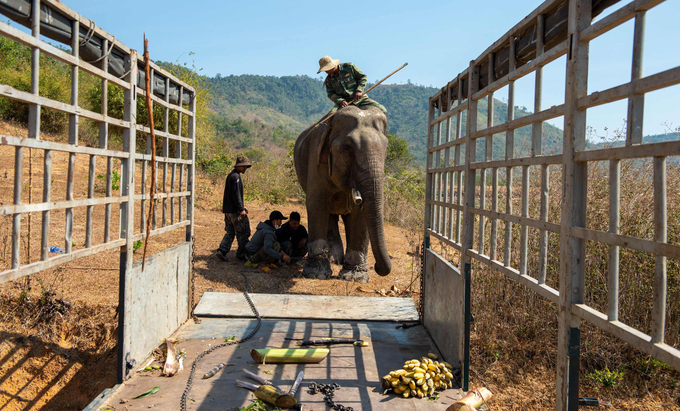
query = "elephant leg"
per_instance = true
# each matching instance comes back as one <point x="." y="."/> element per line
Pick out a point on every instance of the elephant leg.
<point x="354" y="268"/>
<point x="336" y="252"/>
<point x="317" y="266"/>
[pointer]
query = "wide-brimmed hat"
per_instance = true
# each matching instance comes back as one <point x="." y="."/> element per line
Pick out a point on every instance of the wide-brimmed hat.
<point x="276" y="215"/>
<point x="327" y="63"/>
<point x="242" y="161"/>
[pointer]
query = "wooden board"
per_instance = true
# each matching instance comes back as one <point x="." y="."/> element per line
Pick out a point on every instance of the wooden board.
<point x="308" y="307"/>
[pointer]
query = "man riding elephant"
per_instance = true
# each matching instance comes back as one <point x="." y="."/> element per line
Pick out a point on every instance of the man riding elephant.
<point x="345" y="83"/>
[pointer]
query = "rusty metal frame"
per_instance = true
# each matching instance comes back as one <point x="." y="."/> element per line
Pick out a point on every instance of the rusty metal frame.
<point x="451" y="214"/>
<point x="181" y="192"/>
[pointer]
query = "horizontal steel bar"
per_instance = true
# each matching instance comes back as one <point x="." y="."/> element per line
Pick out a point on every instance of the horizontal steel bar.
<point x="165" y="73"/>
<point x="542" y="225"/>
<point x="531" y="283"/>
<point x="657" y="81"/>
<point x="59" y="205"/>
<point x="14" y="94"/>
<point x="159" y="231"/>
<point x="522" y="161"/>
<point x="36" y="267"/>
<point x="451" y="143"/>
<point x="443" y="239"/>
<point x="445" y="204"/>
<point x="164" y="103"/>
<point x="452" y="112"/>
<point x="617" y="18"/>
<point x="668" y="148"/>
<point x="463" y="75"/>
<point x="159" y="159"/>
<point x="636" y="338"/>
<point x="28" y="40"/>
<point x="162" y="195"/>
<point x="163" y="134"/>
<point x="446" y="169"/>
<point x="552" y="112"/>
<point x="647" y="246"/>
<point x="63" y="147"/>
<point x="542" y="60"/>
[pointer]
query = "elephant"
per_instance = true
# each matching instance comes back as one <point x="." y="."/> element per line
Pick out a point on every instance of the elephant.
<point x="341" y="168"/>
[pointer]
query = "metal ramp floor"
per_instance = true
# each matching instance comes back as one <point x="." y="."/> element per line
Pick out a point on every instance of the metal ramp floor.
<point x="358" y="370"/>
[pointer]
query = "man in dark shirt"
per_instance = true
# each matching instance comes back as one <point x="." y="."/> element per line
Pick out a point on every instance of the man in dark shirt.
<point x="236" y="222"/>
<point x="293" y="237"/>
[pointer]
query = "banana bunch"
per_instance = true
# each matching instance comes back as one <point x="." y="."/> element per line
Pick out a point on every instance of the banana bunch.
<point x="419" y="378"/>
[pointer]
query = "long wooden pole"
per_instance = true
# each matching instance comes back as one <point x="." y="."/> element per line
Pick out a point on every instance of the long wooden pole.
<point x="149" y="107"/>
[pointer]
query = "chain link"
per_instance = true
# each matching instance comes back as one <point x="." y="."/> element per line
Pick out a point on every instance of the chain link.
<point x="422" y="280"/>
<point x="192" y="373"/>
<point x="328" y="391"/>
<point x="193" y="280"/>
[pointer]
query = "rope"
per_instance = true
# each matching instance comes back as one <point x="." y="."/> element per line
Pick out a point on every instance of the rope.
<point x="192" y="373"/>
<point x="104" y="55"/>
<point x="89" y="34"/>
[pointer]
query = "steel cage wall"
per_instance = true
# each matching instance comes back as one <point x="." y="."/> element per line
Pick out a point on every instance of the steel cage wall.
<point x="453" y="182"/>
<point x="179" y="193"/>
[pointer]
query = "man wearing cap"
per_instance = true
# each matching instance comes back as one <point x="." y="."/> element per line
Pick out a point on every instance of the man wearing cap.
<point x="293" y="237"/>
<point x="263" y="247"/>
<point x="344" y="84"/>
<point x="236" y="222"/>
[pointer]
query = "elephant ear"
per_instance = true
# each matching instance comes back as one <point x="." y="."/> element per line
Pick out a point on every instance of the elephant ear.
<point x="323" y="148"/>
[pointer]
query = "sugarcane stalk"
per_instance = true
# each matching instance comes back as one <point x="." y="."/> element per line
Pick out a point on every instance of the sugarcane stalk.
<point x="323" y="341"/>
<point x="256" y="377"/>
<point x="289" y="355"/>
<point x="472" y="401"/>
<point x="296" y="384"/>
<point x="269" y="394"/>
<point x="214" y="371"/>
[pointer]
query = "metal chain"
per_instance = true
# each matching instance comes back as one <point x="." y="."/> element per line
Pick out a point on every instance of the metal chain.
<point x="192" y="373"/>
<point x="193" y="280"/>
<point x="422" y="278"/>
<point x="328" y="390"/>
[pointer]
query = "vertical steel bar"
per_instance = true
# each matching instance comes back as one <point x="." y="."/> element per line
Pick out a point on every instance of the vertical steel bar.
<point x="47" y="187"/>
<point x="458" y="161"/>
<point x="73" y="120"/>
<point x="660" y="236"/>
<point x="166" y="148"/>
<point x="154" y="185"/>
<point x="34" y="109"/>
<point x="16" y="218"/>
<point x="614" y="221"/>
<point x="104" y="125"/>
<point x="142" y="215"/>
<point x="90" y="194"/>
<point x="636" y="102"/>
<point x="509" y="154"/>
<point x="494" y="208"/>
<point x="537" y="128"/>
<point x="179" y="154"/>
<point x="127" y="210"/>
<point x="482" y="206"/>
<point x="524" y="234"/>
<point x="191" y="170"/>
<point x="448" y="212"/>
<point x="575" y="186"/>
<point x="543" y="240"/>
<point x="438" y="191"/>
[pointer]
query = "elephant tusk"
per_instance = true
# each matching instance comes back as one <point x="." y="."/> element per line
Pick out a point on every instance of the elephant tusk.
<point x="356" y="197"/>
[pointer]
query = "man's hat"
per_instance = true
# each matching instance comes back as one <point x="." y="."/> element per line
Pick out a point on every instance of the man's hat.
<point x="242" y="161"/>
<point x="327" y="63"/>
<point x="276" y="215"/>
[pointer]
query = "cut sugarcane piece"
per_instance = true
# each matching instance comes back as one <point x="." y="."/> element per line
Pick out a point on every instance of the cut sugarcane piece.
<point x="289" y="355"/>
<point x="269" y="394"/>
<point x="472" y="401"/>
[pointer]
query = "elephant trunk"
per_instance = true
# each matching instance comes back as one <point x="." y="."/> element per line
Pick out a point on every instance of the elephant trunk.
<point x="371" y="183"/>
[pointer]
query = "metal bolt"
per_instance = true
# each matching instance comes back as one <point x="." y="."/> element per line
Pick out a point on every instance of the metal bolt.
<point x="575" y="290"/>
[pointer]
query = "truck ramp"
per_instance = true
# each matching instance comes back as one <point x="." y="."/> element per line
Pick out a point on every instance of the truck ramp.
<point x="285" y="318"/>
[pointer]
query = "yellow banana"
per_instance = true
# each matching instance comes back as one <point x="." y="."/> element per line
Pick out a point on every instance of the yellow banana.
<point x="406" y="393"/>
<point x="433" y="356"/>
<point x="420" y="381"/>
<point x="448" y="375"/>
<point x="419" y="375"/>
<point x="420" y="370"/>
<point x="447" y="365"/>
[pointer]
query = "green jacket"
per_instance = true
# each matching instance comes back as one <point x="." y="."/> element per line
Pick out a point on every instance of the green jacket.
<point x="348" y="81"/>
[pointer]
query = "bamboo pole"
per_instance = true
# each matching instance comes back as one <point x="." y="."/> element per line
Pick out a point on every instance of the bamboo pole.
<point x="149" y="107"/>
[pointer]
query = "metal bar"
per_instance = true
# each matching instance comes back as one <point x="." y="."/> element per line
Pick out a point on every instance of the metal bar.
<point x="179" y="156"/>
<point x="482" y="206"/>
<point x="59" y="205"/>
<point x="38" y="266"/>
<point x="16" y="218"/>
<point x="467" y="315"/>
<point x="547" y="114"/>
<point x="636" y="102"/>
<point x="61" y="147"/>
<point x="660" y="235"/>
<point x="617" y="18"/>
<point x="161" y="102"/>
<point x="524" y="234"/>
<point x="494" y="208"/>
<point x="458" y="160"/>
<point x="614" y="221"/>
<point x="72" y="137"/>
<point x="159" y="133"/>
<point x="509" y="155"/>
<point x="543" y="240"/>
<point x="127" y="210"/>
<point x="90" y="194"/>
<point x="144" y="196"/>
<point x="448" y="180"/>
<point x="34" y="109"/>
<point x="162" y="230"/>
<point x="104" y="126"/>
<point x="572" y="250"/>
<point x="634" y="243"/>
<point x="531" y="283"/>
<point x="669" y="148"/>
<point x="530" y="222"/>
<point x="176" y="194"/>
<point x="166" y="148"/>
<point x="47" y="187"/>
<point x="107" y="208"/>
<point x="443" y="239"/>
<point x="656" y="81"/>
<point x="537" y="127"/>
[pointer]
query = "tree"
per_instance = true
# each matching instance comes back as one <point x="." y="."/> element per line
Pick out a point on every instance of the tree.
<point x="398" y="154"/>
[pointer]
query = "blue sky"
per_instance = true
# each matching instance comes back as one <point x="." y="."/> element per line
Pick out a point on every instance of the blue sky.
<point x="437" y="39"/>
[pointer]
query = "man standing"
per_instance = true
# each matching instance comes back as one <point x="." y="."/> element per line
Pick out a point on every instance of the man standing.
<point x="263" y="247"/>
<point x="236" y="222"/>
<point x="345" y="83"/>
<point x="293" y="237"/>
